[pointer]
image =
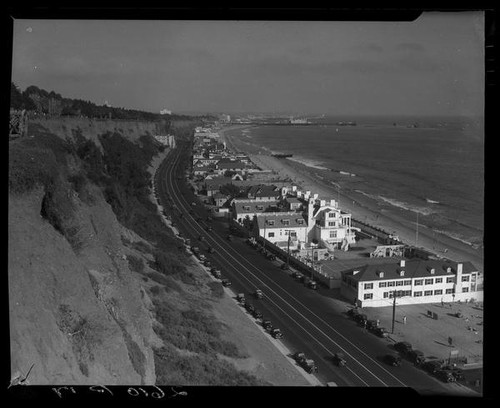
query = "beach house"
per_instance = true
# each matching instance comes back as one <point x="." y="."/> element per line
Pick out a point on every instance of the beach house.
<point x="243" y="208"/>
<point x="277" y="227"/>
<point x="412" y="281"/>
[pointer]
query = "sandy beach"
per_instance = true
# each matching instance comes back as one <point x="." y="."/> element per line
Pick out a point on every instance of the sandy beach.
<point x="303" y="176"/>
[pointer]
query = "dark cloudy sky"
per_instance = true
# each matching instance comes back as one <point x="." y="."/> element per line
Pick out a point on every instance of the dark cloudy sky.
<point x="434" y="65"/>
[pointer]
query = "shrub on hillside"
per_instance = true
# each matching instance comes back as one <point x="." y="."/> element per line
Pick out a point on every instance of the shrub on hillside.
<point x="217" y="289"/>
<point x="135" y="263"/>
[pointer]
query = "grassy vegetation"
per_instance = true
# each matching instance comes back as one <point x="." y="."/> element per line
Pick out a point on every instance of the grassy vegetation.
<point x="135" y="264"/>
<point x="172" y="368"/>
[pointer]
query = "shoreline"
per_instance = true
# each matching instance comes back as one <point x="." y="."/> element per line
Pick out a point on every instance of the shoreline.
<point x="360" y="207"/>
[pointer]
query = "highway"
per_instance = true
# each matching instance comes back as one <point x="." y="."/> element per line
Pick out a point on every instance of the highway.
<point x="305" y="317"/>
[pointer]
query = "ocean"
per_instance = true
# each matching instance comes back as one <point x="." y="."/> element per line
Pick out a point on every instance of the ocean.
<point x="403" y="166"/>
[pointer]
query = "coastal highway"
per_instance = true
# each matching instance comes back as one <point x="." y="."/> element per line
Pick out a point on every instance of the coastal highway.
<point x="306" y="319"/>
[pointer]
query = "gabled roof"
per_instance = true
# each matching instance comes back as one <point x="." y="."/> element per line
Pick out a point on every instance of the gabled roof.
<point x="263" y="190"/>
<point x="236" y="164"/>
<point x="217" y="182"/>
<point x="240" y="206"/>
<point x="413" y="269"/>
<point x="294" y="220"/>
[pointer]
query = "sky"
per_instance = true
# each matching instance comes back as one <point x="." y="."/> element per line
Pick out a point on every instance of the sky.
<point x="431" y="66"/>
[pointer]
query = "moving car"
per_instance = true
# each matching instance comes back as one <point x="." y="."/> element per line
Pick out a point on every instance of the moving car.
<point x="258" y="294"/>
<point x="267" y="325"/>
<point x="226" y="282"/>
<point x="338" y="358"/>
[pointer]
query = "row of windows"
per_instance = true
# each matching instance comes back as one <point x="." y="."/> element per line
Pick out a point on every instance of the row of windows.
<point x="400" y="293"/>
<point x="292" y="234"/>
<point x="299" y="221"/>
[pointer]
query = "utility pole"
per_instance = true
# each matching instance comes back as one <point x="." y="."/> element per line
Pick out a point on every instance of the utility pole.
<point x="312" y="262"/>
<point x="393" y="310"/>
<point x="416" y="233"/>
<point x="288" y="251"/>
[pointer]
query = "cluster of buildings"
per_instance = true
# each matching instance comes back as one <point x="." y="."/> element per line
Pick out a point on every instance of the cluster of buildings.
<point x="283" y="214"/>
<point x="312" y="228"/>
<point x="166" y="140"/>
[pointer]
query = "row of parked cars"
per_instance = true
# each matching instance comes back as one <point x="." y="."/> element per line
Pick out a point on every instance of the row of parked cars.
<point x="371" y="325"/>
<point x="435" y="367"/>
<point x="266" y="324"/>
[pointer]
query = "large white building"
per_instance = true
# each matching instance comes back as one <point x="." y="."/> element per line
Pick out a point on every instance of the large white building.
<point x="412" y="281"/>
<point x="277" y="227"/>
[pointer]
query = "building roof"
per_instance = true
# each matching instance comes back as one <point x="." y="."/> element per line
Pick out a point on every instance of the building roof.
<point x="228" y="165"/>
<point x="296" y="220"/>
<point x="252" y="206"/>
<point x="293" y="200"/>
<point x="412" y="269"/>
<point x="263" y="190"/>
<point x="217" y="182"/>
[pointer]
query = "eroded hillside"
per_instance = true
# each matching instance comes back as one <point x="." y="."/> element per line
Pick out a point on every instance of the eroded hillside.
<point x="98" y="291"/>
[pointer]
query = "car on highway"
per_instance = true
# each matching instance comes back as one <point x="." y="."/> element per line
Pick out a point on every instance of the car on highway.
<point x="403" y="347"/>
<point x="353" y="312"/>
<point x="207" y="263"/>
<point x="361" y="318"/>
<point x="298" y="356"/>
<point x="216" y="273"/>
<point x="210" y="250"/>
<point x="201" y="238"/>
<point x="312" y="285"/>
<point x="309" y="366"/>
<point x="339" y="359"/>
<point x="392" y="359"/>
<point x="193" y="204"/>
<point x="456" y="372"/>
<point x="271" y="257"/>
<point x="285" y="266"/>
<point x="258" y="294"/>
<point x="226" y="282"/>
<point x="249" y="307"/>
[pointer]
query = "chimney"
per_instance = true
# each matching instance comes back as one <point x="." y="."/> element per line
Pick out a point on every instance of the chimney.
<point x="333" y="203"/>
<point x="380" y="274"/>
<point x="294" y="188"/>
<point x="354" y="272"/>
<point x="448" y="269"/>
<point x="433" y="271"/>
<point x="459" y="272"/>
<point x="402" y="263"/>
<point x="401" y="273"/>
<point x="322" y="203"/>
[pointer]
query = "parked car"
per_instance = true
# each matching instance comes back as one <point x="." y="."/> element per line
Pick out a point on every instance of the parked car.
<point x="258" y="294"/>
<point x="240" y="297"/>
<point x="432" y="366"/>
<point x="361" y="318"/>
<point x="201" y="238"/>
<point x="257" y="314"/>
<point x="371" y="324"/>
<point x="445" y="375"/>
<point x="211" y="250"/>
<point x="208" y="228"/>
<point x="271" y="257"/>
<point x="417" y="357"/>
<point x="353" y="312"/>
<point x="312" y="285"/>
<point x="249" y="307"/>
<point x="285" y="266"/>
<point x="267" y="325"/>
<point x="299" y="356"/>
<point x="339" y="359"/>
<point x="229" y="237"/>
<point x="403" y="347"/>
<point x="381" y="331"/>
<point x="276" y="333"/>
<point x="309" y="366"/>
<point x="392" y="359"/>
<point x="226" y="282"/>
<point x="206" y="262"/>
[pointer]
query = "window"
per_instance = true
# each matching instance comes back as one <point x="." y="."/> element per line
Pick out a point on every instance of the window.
<point x="300" y="221"/>
<point x="465" y="278"/>
<point x="406" y="292"/>
<point x="438" y="280"/>
<point x="260" y="207"/>
<point x="386" y="295"/>
<point x="417" y="294"/>
<point x="429" y="281"/>
<point x="418" y="282"/>
<point x="270" y="235"/>
<point x="270" y="222"/>
<point x="333" y="234"/>
<point x="391" y="283"/>
<point x="246" y="207"/>
<point x="368" y="285"/>
<point x="450" y="279"/>
<point x="331" y="223"/>
<point x="382" y="284"/>
<point x="286" y="222"/>
<point x="428" y="293"/>
<point x="438" y="292"/>
<point x="465" y="289"/>
<point x="293" y="233"/>
<point x="451" y="290"/>
<point x="399" y="283"/>
<point x="368" y="296"/>
<point x="407" y="282"/>
<point x="331" y="215"/>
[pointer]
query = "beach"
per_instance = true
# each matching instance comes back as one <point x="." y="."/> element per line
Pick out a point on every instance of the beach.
<point x="362" y="210"/>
